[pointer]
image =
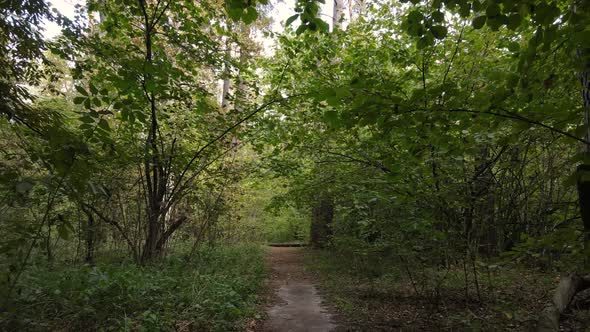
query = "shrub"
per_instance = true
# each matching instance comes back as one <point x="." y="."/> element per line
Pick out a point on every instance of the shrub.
<point x="215" y="291"/>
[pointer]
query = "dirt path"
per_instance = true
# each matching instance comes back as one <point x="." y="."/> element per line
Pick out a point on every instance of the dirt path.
<point x="297" y="305"/>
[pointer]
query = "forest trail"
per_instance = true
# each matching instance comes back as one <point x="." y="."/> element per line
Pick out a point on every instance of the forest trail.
<point x="297" y="306"/>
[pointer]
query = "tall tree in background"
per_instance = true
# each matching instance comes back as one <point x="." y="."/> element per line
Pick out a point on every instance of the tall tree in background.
<point x="322" y="213"/>
<point x="583" y="181"/>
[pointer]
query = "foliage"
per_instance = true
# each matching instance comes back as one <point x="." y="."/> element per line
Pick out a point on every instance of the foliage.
<point x="262" y="220"/>
<point x="215" y="291"/>
<point x="386" y="300"/>
<point x="439" y="151"/>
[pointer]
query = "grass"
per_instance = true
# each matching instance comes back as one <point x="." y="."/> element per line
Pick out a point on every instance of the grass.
<point x="216" y="291"/>
<point x="384" y="298"/>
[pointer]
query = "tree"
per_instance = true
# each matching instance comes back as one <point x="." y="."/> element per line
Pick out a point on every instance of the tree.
<point x="156" y="91"/>
<point x="537" y="34"/>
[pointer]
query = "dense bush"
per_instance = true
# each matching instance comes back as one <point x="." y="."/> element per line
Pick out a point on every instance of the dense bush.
<point x="215" y="291"/>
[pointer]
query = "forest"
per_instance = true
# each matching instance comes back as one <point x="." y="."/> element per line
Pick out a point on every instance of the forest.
<point x="295" y="165"/>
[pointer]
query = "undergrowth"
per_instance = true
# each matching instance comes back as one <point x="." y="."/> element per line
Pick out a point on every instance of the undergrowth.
<point x="381" y="296"/>
<point x="214" y="291"/>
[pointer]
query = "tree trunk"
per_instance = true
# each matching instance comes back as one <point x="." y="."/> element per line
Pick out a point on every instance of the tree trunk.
<point x="48" y="250"/>
<point x="321" y="222"/>
<point x="150" y="249"/>
<point x="226" y="75"/>
<point x="485" y="203"/>
<point x="338" y="15"/>
<point x="566" y="290"/>
<point x="90" y="235"/>
<point x="356" y="9"/>
<point x="584" y="198"/>
<point x="322" y="213"/>
<point x="155" y="174"/>
<point x="242" y="91"/>
<point x="583" y="182"/>
<point x="166" y="235"/>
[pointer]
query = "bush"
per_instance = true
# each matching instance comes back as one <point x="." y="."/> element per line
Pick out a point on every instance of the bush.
<point x="215" y="291"/>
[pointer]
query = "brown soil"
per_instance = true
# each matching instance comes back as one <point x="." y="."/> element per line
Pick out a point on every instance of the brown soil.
<point x="296" y="305"/>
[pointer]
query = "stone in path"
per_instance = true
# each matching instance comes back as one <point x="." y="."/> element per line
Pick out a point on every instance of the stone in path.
<point x="298" y="306"/>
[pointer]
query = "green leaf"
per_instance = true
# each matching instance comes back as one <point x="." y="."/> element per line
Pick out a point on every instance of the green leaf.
<point x="514" y="21"/>
<point x="437" y="16"/>
<point x="479" y="22"/>
<point x="301" y="29"/>
<point x="549" y="37"/>
<point x="250" y="15"/>
<point x="514" y="47"/>
<point x="333" y="100"/>
<point x="103" y="124"/>
<point x="465" y="9"/>
<point x="118" y="105"/>
<point x="494" y="23"/>
<point x="427" y="40"/>
<point x="477" y="6"/>
<point x="81" y="90"/>
<point x="86" y="118"/>
<point x="139" y="115"/>
<point x="439" y="31"/>
<point x="342" y="92"/>
<point x="321" y="25"/>
<point x="93" y="89"/>
<point x="493" y="10"/>
<point x="79" y="100"/>
<point x="331" y="118"/>
<point x="63" y="232"/>
<point x="546" y="13"/>
<point x="291" y="19"/>
<point x="415" y="17"/>
<point x="235" y="13"/>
